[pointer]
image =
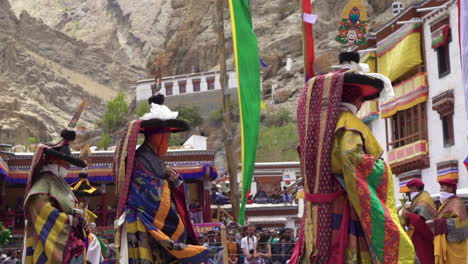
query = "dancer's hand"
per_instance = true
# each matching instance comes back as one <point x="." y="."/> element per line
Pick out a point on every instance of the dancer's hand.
<point x="173" y="175"/>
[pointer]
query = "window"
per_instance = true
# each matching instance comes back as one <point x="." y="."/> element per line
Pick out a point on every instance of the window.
<point x="211" y="83"/>
<point x="408" y="126"/>
<point x="182" y="87"/>
<point x="168" y="87"/>
<point x="441" y="36"/>
<point x="443" y="104"/>
<point x="447" y="128"/>
<point x="196" y="85"/>
<point x="443" y="60"/>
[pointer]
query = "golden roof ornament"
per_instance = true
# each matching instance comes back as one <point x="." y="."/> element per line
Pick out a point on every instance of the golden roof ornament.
<point x="353" y="24"/>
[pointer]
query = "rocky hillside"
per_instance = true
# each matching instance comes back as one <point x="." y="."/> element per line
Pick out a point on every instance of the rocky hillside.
<point x="55" y="51"/>
<point x="44" y="75"/>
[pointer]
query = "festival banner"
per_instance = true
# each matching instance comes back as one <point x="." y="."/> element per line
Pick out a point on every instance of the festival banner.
<point x="400" y="52"/>
<point x="202" y="228"/>
<point x="462" y="29"/>
<point x="248" y="77"/>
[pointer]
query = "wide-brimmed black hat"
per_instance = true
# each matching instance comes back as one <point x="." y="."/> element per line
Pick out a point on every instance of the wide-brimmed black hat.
<point x="62" y="151"/>
<point x="368" y="86"/>
<point x="158" y="125"/>
<point x="357" y="84"/>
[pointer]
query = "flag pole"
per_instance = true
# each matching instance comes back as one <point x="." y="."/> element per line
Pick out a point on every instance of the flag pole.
<point x="227" y="128"/>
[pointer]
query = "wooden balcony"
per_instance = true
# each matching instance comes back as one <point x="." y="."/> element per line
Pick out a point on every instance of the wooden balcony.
<point x="409" y="157"/>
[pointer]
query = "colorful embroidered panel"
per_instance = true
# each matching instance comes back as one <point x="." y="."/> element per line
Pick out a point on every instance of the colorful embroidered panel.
<point x="447" y="170"/>
<point x="407" y="94"/>
<point x="400" y="52"/>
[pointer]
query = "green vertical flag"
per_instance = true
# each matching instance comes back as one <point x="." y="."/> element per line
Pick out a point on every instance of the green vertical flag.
<point x="248" y="78"/>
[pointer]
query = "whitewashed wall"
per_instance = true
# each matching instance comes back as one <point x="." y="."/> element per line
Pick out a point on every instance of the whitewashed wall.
<point x="453" y="81"/>
<point x="436" y="86"/>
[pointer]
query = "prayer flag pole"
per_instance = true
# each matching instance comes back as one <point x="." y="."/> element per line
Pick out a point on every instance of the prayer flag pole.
<point x="227" y="129"/>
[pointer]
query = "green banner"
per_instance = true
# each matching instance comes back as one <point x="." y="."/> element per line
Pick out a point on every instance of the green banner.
<point x="248" y="78"/>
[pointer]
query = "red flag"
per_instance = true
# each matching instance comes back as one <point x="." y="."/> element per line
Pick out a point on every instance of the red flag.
<point x="308" y="41"/>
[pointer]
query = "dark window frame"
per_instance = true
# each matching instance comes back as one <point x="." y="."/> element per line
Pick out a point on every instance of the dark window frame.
<point x="196" y="85"/>
<point x="182" y="87"/>
<point x="407" y="126"/>
<point x="210" y="83"/>
<point x="447" y="130"/>
<point x="443" y="57"/>
<point x="168" y="86"/>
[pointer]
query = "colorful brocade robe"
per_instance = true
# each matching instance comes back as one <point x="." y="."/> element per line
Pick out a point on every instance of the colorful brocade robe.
<point x="49" y="235"/>
<point x="422" y="209"/>
<point x="366" y="228"/>
<point x="451" y="232"/>
<point x="154" y="229"/>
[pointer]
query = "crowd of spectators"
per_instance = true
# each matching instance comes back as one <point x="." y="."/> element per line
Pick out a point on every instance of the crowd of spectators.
<point x="250" y="245"/>
<point x="261" y="197"/>
<point x="274" y="197"/>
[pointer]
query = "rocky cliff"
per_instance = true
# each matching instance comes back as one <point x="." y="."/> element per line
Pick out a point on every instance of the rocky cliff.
<point x="55" y="51"/>
<point x="44" y="75"/>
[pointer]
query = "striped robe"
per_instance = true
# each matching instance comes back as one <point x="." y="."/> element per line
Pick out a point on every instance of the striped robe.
<point x="366" y="228"/>
<point x="49" y="234"/>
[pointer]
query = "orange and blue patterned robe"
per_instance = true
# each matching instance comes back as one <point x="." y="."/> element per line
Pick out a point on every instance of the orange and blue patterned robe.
<point x="156" y="233"/>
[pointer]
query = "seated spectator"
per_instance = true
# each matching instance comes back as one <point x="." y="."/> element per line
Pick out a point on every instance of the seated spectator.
<point x="9" y="217"/>
<point x="287" y="197"/>
<point x="276" y="197"/>
<point x="219" y="197"/>
<point x="261" y="197"/>
<point x="250" y="199"/>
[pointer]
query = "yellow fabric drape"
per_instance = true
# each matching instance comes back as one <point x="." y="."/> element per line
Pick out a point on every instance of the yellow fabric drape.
<point x="449" y="253"/>
<point x="400" y="53"/>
